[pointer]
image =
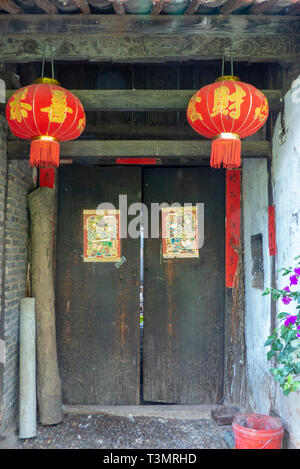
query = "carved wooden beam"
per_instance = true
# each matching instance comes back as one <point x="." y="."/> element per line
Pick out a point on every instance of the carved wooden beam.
<point x="233" y="5"/>
<point x="83" y="149"/>
<point x="147" y="38"/>
<point x="10" y="7"/>
<point x="83" y="5"/>
<point x="47" y="6"/>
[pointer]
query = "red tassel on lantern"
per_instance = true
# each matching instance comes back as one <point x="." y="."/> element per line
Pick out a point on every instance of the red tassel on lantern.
<point x="226" y="149"/>
<point x="44" y="152"/>
<point x="227" y="111"/>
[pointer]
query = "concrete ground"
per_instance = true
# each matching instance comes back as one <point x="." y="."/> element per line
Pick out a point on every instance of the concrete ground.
<point x="123" y="427"/>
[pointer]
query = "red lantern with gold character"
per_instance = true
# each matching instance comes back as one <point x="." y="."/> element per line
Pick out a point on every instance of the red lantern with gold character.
<point x="227" y="111"/>
<point x="46" y="114"/>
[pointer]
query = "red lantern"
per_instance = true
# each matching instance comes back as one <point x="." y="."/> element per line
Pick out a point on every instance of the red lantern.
<point x="47" y="114"/>
<point x="227" y="111"/>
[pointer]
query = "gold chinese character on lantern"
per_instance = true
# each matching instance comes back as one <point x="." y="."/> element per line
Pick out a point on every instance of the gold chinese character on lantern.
<point x="18" y="109"/>
<point x="58" y="110"/>
<point x="81" y="124"/>
<point x="262" y="111"/>
<point x="226" y="103"/>
<point x="193" y="114"/>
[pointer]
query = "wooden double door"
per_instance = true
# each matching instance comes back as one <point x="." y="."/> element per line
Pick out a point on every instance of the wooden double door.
<point x="98" y="304"/>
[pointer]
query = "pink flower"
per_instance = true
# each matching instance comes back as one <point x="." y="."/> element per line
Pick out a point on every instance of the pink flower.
<point x="297" y="271"/>
<point x="290" y="320"/>
<point x="293" y="280"/>
<point x="286" y="300"/>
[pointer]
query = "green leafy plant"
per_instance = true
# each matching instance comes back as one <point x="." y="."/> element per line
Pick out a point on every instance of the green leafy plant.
<point x="284" y="342"/>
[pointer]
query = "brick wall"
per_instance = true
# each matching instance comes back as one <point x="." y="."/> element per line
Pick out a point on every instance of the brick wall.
<point x="3" y="184"/>
<point x="14" y="215"/>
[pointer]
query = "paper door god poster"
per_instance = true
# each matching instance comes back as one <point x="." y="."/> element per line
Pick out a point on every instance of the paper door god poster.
<point x="180" y="232"/>
<point x="101" y="234"/>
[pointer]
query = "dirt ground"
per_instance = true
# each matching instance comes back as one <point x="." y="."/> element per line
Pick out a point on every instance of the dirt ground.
<point x="114" y="432"/>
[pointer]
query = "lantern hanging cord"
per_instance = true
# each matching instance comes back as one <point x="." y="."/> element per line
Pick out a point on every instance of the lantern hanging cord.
<point x="231" y="60"/>
<point x="52" y="61"/>
<point x="43" y="61"/>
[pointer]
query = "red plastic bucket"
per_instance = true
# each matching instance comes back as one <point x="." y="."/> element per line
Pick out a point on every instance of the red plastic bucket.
<point x="257" y="431"/>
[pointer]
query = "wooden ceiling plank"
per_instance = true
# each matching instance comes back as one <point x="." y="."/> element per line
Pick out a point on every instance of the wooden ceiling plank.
<point x="81" y="149"/>
<point x="47" y="6"/>
<point x="10" y="7"/>
<point x="163" y="25"/>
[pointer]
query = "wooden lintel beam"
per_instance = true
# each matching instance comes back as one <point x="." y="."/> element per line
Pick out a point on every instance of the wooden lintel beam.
<point x="10" y="7"/>
<point x="83" y="149"/>
<point x="233" y="5"/>
<point x="156" y="49"/>
<point x="146" y="100"/>
<point x="47" y="6"/>
<point x="83" y="5"/>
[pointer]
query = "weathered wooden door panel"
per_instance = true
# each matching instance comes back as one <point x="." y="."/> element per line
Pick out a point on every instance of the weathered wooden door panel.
<point x="97" y="304"/>
<point x="184" y="298"/>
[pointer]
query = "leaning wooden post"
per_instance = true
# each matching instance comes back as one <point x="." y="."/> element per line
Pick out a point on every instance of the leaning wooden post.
<point x="42" y="210"/>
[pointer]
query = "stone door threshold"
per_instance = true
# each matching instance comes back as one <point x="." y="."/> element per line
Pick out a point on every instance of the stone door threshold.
<point x="186" y="412"/>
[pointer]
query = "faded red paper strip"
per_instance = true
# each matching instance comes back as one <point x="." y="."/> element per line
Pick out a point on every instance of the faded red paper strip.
<point x="47" y="177"/>
<point x="272" y="232"/>
<point x="233" y="220"/>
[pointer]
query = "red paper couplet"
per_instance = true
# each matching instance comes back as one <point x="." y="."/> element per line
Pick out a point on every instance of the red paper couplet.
<point x="272" y="232"/>
<point x="233" y="217"/>
<point x="47" y="177"/>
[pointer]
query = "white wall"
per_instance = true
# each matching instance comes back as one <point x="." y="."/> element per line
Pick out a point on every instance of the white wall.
<point x="263" y="393"/>
<point x="257" y="307"/>
<point x="286" y="182"/>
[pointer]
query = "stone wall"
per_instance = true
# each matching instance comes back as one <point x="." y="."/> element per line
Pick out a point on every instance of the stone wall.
<point x="15" y="182"/>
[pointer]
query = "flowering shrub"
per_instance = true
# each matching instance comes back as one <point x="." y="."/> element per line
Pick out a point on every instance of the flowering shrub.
<point x="284" y="342"/>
